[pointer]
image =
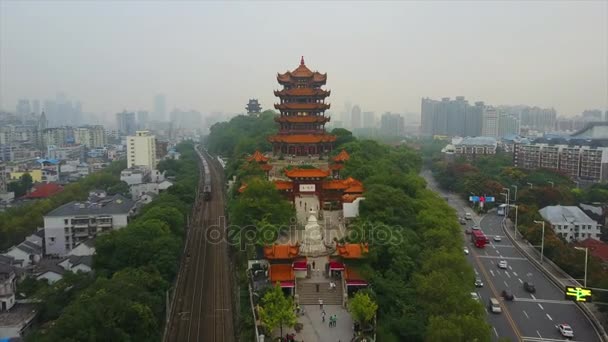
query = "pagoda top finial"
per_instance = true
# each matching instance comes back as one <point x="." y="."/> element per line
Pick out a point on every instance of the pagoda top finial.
<point x="302" y="61"/>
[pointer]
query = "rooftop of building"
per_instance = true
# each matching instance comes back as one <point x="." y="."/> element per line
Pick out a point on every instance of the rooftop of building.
<point x="19" y="315"/>
<point x="302" y="138"/>
<point x="352" y="250"/>
<point x="277" y="251"/>
<point x="597" y="248"/>
<point x="477" y="141"/>
<point x="258" y="157"/>
<point x="342" y="156"/>
<point x="306" y="173"/>
<point x="116" y="204"/>
<point x="44" y="190"/>
<point x="570" y="214"/>
<point x="301" y="71"/>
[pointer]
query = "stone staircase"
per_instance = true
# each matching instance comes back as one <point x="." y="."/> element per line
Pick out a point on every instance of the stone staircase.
<point x="308" y="295"/>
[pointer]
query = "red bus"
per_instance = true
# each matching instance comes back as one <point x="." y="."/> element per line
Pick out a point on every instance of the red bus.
<point x="478" y="238"/>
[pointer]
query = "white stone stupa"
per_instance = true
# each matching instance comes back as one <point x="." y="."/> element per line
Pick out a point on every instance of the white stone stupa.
<point x="313" y="237"/>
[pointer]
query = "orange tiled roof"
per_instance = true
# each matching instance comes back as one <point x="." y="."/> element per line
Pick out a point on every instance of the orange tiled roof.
<point x="280" y="272"/>
<point x="350" y="198"/>
<point x="336" y="166"/>
<point x="45" y="190"/>
<point x="349" y="185"/>
<point x="301" y="71"/>
<point x="266" y="167"/>
<point x="302" y="118"/>
<point x="306" y="173"/>
<point x="283" y="185"/>
<point x="352" y="250"/>
<point x="302" y="106"/>
<point x="258" y="157"/>
<point x="281" y="251"/>
<point x="342" y="156"/>
<point x="302" y="92"/>
<point x="242" y="188"/>
<point x="302" y="138"/>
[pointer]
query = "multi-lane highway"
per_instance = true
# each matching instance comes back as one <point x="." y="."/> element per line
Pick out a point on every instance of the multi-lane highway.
<point x="530" y="316"/>
<point x="202" y="305"/>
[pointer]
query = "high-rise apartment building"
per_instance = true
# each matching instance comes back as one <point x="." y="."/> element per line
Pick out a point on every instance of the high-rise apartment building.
<point x="392" y="125"/>
<point x="450" y="117"/>
<point x="141" y="150"/>
<point x="160" y="107"/>
<point x="507" y="125"/>
<point x="490" y="122"/>
<point x="125" y="123"/>
<point x="90" y="136"/>
<point x="541" y="119"/>
<point x="369" y="120"/>
<point x="142" y="119"/>
<point x="355" y="117"/>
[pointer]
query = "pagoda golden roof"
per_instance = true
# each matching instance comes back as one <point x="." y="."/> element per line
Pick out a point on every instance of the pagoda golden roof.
<point x="306" y="173"/>
<point x="301" y="71"/>
<point x="302" y="138"/>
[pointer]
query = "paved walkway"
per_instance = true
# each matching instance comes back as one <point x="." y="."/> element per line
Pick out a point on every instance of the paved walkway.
<point x="315" y="330"/>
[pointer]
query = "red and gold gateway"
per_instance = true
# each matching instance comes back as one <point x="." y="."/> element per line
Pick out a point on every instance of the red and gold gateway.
<point x="302" y="120"/>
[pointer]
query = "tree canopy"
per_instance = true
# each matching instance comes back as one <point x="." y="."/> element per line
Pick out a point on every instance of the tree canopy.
<point x="277" y="310"/>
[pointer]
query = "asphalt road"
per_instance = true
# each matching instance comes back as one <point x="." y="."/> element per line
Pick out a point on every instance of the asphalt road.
<point x="202" y="305"/>
<point x="529" y="317"/>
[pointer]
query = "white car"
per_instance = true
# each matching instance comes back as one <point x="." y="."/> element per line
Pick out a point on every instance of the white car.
<point x="497" y="238"/>
<point x="474" y="295"/>
<point x="502" y="264"/>
<point x="565" y="330"/>
<point x="476" y="227"/>
<point x="466" y="250"/>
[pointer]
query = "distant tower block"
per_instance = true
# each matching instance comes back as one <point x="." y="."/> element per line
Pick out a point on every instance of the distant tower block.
<point x="254" y="107"/>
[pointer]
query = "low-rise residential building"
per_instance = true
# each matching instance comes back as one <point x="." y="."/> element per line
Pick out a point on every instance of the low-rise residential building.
<point x="571" y="223"/>
<point x="8" y="287"/>
<point x="74" y="263"/>
<point x="470" y="147"/>
<point x="28" y="252"/>
<point x="75" y="222"/>
<point x="133" y="176"/>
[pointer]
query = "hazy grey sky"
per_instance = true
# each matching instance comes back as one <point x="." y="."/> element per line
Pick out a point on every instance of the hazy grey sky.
<point x="383" y="56"/>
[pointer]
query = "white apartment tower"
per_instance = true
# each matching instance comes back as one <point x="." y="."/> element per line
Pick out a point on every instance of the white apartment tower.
<point x="141" y="150"/>
<point x="490" y="122"/>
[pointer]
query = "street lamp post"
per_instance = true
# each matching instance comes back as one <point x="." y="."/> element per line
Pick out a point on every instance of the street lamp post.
<point x="586" y="249"/>
<point x="515" y="195"/>
<point x="552" y="184"/>
<point x="515" y="206"/>
<point x="542" y="240"/>
<point x="508" y="198"/>
<point x="530" y="184"/>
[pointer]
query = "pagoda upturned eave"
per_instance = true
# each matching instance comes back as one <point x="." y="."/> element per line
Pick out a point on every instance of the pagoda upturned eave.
<point x="302" y="119"/>
<point x="302" y="138"/>
<point x="302" y="106"/>
<point x="295" y="92"/>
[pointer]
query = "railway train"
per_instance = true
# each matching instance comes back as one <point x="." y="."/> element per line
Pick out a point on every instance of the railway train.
<point x="206" y="176"/>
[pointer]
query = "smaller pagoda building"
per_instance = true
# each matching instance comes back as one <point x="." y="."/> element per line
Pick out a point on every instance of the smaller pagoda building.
<point x="346" y="263"/>
<point x="253" y="107"/>
<point x="261" y="160"/>
<point x="285" y="264"/>
<point x="338" y="163"/>
<point x="302" y="120"/>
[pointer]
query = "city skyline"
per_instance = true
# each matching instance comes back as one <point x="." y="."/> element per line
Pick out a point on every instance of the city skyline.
<point x="198" y="59"/>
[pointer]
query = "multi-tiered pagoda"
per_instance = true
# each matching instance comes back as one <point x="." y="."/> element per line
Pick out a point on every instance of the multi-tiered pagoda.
<point x="302" y="120"/>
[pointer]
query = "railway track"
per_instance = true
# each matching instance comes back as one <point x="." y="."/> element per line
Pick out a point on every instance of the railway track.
<point x="202" y="306"/>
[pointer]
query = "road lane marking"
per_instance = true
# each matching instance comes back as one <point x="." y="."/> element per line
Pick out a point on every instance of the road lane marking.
<point x="525" y="313"/>
<point x="485" y="252"/>
<point x="540" y="306"/>
<point x="531" y="295"/>
<point x="495" y="332"/>
<point x="515" y="274"/>
<point x="507" y="273"/>
<point x="539" y="335"/>
<point x="520" y="281"/>
<point x="536" y="339"/>
<point x="502" y="257"/>
<point x="549" y="317"/>
<point x="492" y="273"/>
<point x="507" y="285"/>
<point x="549" y="301"/>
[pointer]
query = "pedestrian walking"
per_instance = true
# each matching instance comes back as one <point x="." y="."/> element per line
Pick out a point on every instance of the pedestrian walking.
<point x="335" y="320"/>
<point x="320" y="303"/>
<point x="323" y="317"/>
<point x="314" y="265"/>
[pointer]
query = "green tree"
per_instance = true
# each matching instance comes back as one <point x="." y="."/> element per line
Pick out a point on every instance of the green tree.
<point x="277" y="310"/>
<point x="343" y="136"/>
<point x="362" y="307"/>
<point x="261" y="200"/>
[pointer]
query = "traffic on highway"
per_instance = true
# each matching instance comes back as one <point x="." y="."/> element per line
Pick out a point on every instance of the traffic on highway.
<point x="522" y="304"/>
